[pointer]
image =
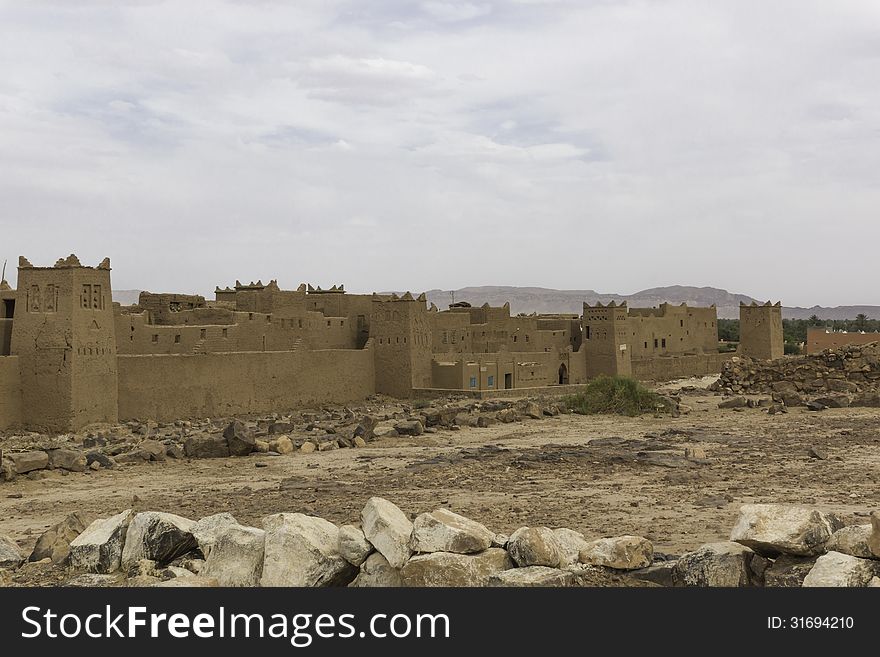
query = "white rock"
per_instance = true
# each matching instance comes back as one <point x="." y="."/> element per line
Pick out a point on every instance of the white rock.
<point x="445" y="531"/>
<point x="160" y="537"/>
<point x="852" y="540"/>
<point x="388" y="529"/>
<point x="236" y="557"/>
<point x="303" y="551"/>
<point x="353" y="545"/>
<point x="620" y="552"/>
<point x="838" y="569"/>
<point x="450" y="569"/>
<point x="570" y="545"/>
<point x="376" y="571"/>
<point x="720" y="564"/>
<point x="533" y="577"/>
<point x="99" y="548"/>
<point x="772" y="529"/>
<point x="10" y="554"/>
<point x="206" y="530"/>
<point x="534" y="546"/>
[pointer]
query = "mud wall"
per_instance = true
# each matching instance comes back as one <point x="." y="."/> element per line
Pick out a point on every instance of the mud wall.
<point x="10" y="392"/>
<point x="165" y="387"/>
<point x="678" y="367"/>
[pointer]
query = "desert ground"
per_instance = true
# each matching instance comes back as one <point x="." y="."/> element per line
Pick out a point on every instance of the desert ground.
<point x="600" y="475"/>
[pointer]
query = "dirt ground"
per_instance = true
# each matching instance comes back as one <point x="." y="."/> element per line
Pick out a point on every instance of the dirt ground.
<point x="600" y="475"/>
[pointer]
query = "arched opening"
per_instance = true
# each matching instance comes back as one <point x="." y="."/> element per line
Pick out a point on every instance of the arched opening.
<point x="563" y="374"/>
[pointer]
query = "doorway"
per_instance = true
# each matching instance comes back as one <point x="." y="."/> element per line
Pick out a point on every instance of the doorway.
<point x="8" y="308"/>
<point x="508" y="381"/>
<point x="563" y="374"/>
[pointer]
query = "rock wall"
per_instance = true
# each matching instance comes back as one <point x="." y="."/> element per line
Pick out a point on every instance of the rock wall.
<point x="164" y="388"/>
<point x="666" y="368"/>
<point x="851" y="370"/>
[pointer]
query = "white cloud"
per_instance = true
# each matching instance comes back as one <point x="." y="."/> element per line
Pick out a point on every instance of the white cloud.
<point x="391" y="144"/>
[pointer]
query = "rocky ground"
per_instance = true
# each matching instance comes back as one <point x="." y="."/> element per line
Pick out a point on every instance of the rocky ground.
<point x="677" y="481"/>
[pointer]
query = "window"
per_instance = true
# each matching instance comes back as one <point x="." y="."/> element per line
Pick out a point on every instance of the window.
<point x="300" y="322"/>
<point x="473" y="382"/>
<point x="177" y="339"/>
<point x="491" y="381"/>
<point x="655" y="343"/>
<point x="646" y="345"/>
<point x="328" y="322"/>
<point x="664" y="343"/>
<point x="514" y="338"/>
<point x="203" y="334"/>
<point x="155" y="337"/>
<point x="250" y="315"/>
<point x="527" y="338"/>
<point x="225" y="333"/>
<point x="681" y="323"/>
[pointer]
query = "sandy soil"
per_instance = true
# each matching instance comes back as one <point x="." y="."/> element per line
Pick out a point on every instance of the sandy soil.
<point x="599" y="475"/>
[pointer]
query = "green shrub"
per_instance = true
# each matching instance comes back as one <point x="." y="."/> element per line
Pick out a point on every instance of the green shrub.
<point x="421" y="403"/>
<point x="618" y="395"/>
<point x="791" y="348"/>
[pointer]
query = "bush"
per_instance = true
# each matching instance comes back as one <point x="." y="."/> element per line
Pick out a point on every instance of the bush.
<point x="421" y="403"/>
<point x="618" y="395"/>
<point x="790" y="348"/>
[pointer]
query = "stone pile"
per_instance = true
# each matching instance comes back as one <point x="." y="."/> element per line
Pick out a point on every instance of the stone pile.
<point x="42" y="456"/>
<point x="770" y="545"/>
<point x="834" y="378"/>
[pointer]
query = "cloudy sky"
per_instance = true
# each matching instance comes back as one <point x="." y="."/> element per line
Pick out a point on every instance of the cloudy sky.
<point x="391" y="144"/>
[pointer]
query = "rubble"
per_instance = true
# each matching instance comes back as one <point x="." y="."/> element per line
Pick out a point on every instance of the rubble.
<point x="388" y="530"/>
<point x="773" y="529"/>
<point x="54" y="543"/>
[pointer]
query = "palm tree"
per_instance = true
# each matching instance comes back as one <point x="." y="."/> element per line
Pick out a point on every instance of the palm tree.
<point x="861" y="321"/>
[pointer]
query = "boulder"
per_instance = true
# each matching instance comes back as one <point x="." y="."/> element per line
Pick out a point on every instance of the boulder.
<point x="620" y="552"/>
<point x="206" y="530"/>
<point x="157" y="536"/>
<point x="10" y="554"/>
<point x="54" y="544"/>
<point x="155" y="450"/>
<point x="188" y="582"/>
<point x="303" y="551"/>
<point x="533" y="411"/>
<point x="204" y="446"/>
<point x="788" y="571"/>
<point x="534" y="576"/>
<point x="236" y="556"/>
<point x="281" y="445"/>
<point x="25" y="462"/>
<point x="377" y="572"/>
<point x="450" y="569"/>
<point x="791" y="398"/>
<point x="308" y="447"/>
<point x="570" y="545"/>
<point x="99" y="548"/>
<point x="838" y="569"/>
<point x="100" y="458"/>
<point x="67" y="459"/>
<point x="388" y="529"/>
<point x="720" y="564"/>
<point x="534" y="546"/>
<point x="445" y="531"/>
<point x="410" y="428"/>
<point x="851" y="540"/>
<point x="734" y="402"/>
<point x="239" y="439"/>
<point x="869" y="399"/>
<point x="874" y="538"/>
<point x="657" y="573"/>
<point x="772" y="529"/>
<point x="353" y="545"/>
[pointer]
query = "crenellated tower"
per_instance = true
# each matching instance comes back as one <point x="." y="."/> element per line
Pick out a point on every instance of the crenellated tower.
<point x="606" y="340"/>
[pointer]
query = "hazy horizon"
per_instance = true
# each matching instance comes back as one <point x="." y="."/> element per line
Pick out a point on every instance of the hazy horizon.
<point x="438" y="144"/>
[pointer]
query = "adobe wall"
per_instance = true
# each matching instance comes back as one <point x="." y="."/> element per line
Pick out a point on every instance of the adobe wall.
<point x="760" y="331"/>
<point x="667" y="368"/>
<point x="166" y="387"/>
<point x="479" y="371"/>
<point x="818" y="339"/>
<point x="10" y="392"/>
<point x="5" y="336"/>
<point x="670" y="330"/>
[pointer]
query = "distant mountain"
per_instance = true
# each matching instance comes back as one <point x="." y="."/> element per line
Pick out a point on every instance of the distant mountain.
<point x="126" y="297"/>
<point x="545" y="300"/>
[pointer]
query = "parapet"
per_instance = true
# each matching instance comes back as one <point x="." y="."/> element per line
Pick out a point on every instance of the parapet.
<point x="70" y="262"/>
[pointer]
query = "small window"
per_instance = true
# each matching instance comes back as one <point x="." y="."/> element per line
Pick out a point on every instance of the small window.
<point x="203" y="334"/>
<point x="681" y="323"/>
<point x="491" y="381"/>
<point x="177" y="339"/>
<point x="155" y="337"/>
<point x="300" y="323"/>
<point x="527" y="338"/>
<point x="664" y="343"/>
<point x="655" y="343"/>
<point x="473" y="382"/>
<point x="225" y="333"/>
<point x="250" y="315"/>
<point x="328" y="322"/>
<point x="514" y="338"/>
<point x="646" y="345"/>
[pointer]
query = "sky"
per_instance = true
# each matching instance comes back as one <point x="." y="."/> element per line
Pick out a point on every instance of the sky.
<point x="390" y="144"/>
